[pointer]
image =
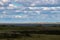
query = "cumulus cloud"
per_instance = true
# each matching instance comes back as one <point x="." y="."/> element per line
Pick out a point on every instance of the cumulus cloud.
<point x="5" y="1"/>
<point x="31" y="2"/>
<point x="11" y="6"/>
<point x="18" y="16"/>
<point x="46" y="8"/>
<point x="50" y="8"/>
<point x="50" y="1"/>
<point x="44" y="2"/>
<point x="1" y="3"/>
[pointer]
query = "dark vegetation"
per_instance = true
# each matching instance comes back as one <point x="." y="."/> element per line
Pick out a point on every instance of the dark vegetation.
<point x="14" y="31"/>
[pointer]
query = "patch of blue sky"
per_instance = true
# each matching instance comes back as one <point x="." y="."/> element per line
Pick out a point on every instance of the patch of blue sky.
<point x="17" y="4"/>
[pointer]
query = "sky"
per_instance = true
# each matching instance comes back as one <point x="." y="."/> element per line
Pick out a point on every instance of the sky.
<point x="29" y="11"/>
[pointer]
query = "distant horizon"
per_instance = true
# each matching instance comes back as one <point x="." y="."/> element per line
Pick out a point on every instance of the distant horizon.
<point x="34" y="23"/>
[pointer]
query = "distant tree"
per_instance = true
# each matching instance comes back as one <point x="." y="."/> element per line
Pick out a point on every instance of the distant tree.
<point x="54" y="26"/>
<point x="12" y="26"/>
<point x="59" y="25"/>
<point x="3" y="25"/>
<point x="39" y="25"/>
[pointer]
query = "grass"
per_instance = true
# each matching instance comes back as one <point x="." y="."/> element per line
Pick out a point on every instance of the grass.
<point x="37" y="37"/>
<point x="29" y="28"/>
<point x="33" y="36"/>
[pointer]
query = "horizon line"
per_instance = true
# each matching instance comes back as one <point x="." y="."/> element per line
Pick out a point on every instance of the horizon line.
<point x="34" y="23"/>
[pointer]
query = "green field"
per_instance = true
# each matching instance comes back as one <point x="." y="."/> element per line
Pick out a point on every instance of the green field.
<point x="36" y="37"/>
<point x="32" y="36"/>
<point x="29" y="28"/>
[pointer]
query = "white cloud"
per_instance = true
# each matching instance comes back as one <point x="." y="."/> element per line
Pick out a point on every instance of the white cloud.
<point x="50" y="1"/>
<point x="4" y="1"/>
<point x="18" y="16"/>
<point x="33" y="4"/>
<point x="11" y="6"/>
<point x="1" y="3"/>
<point x="46" y="8"/>
<point x="31" y="8"/>
<point x="25" y="11"/>
<point x="17" y="10"/>
<point x="2" y="8"/>
<point x="4" y="13"/>
<point x="51" y="8"/>
<point x="38" y="12"/>
<point x="16" y="0"/>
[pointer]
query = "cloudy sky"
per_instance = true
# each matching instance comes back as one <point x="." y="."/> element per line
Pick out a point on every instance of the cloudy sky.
<point x="25" y="11"/>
